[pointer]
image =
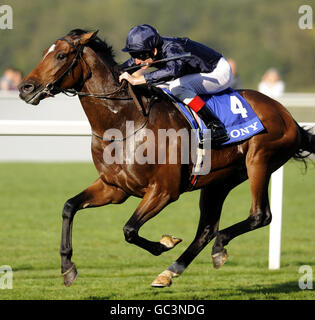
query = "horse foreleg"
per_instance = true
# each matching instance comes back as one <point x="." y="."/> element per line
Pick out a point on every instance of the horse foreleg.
<point x="211" y="201"/>
<point x="98" y="194"/>
<point x="152" y="203"/>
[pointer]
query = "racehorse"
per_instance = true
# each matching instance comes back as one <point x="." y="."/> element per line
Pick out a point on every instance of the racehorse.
<point x="81" y="63"/>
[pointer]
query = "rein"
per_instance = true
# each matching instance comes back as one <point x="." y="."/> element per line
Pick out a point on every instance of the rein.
<point x="72" y="92"/>
<point x="125" y="138"/>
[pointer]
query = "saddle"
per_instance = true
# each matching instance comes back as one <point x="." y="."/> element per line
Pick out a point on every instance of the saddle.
<point x="240" y="121"/>
<point x="229" y="106"/>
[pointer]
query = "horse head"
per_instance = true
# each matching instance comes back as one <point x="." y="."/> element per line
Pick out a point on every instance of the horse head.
<point x="60" y="68"/>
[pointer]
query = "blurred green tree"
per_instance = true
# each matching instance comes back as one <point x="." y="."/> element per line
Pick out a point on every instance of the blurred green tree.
<point x="257" y="34"/>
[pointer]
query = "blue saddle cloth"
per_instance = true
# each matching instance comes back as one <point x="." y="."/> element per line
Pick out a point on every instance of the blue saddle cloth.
<point x="240" y="121"/>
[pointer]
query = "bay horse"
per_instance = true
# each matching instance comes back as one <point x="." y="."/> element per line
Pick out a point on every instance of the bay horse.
<point x="81" y="63"/>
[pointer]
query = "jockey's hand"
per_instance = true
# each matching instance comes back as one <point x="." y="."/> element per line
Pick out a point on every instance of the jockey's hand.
<point x="126" y="76"/>
<point x="131" y="79"/>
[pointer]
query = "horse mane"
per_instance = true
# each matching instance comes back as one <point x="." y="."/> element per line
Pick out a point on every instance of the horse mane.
<point x="101" y="48"/>
<point x="106" y="54"/>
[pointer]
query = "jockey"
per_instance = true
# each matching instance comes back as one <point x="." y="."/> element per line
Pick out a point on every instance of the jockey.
<point x="206" y="71"/>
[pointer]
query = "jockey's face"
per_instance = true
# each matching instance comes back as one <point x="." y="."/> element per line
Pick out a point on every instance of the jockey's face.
<point x="144" y="57"/>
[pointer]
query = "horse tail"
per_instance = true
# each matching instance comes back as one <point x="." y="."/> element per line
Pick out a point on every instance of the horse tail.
<point x="307" y="144"/>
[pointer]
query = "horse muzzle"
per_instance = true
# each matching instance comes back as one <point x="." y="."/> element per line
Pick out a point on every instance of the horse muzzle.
<point x="31" y="93"/>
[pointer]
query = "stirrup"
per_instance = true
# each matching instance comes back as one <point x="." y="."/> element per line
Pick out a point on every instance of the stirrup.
<point x="204" y="138"/>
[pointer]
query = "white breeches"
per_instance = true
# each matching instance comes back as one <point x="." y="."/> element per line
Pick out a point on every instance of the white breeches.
<point x="187" y="87"/>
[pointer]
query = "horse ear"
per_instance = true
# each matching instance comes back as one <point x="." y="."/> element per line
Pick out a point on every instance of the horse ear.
<point x="86" y="37"/>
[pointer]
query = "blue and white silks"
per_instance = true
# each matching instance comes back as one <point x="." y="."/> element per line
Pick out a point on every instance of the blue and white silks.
<point x="240" y="121"/>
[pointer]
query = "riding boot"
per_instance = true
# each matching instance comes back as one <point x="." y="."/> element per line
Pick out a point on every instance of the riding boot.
<point x="218" y="131"/>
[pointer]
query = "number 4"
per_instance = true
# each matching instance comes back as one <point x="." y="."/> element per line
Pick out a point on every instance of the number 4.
<point x="237" y="107"/>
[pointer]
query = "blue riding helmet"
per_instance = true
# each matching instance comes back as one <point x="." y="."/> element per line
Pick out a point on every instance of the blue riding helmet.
<point x="142" y="38"/>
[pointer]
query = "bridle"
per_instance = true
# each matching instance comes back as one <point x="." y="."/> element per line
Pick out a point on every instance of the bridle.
<point x="72" y="92"/>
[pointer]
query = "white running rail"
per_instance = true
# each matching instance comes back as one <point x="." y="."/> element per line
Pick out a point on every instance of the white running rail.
<point x="44" y="128"/>
<point x="276" y="197"/>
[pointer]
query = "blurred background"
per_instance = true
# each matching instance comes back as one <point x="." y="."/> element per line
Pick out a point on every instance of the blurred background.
<point x="262" y="39"/>
<point x="258" y="34"/>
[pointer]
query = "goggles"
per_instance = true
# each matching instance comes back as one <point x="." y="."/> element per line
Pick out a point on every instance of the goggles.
<point x="143" y="55"/>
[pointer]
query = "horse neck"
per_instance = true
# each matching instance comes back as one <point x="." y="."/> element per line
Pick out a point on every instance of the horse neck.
<point x="103" y="113"/>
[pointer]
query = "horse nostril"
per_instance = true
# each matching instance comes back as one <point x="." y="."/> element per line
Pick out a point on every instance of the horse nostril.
<point x="26" y="88"/>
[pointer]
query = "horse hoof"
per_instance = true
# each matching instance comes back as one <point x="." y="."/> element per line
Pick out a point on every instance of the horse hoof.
<point x="219" y="258"/>
<point x="169" y="241"/>
<point x="70" y="275"/>
<point x="164" y="279"/>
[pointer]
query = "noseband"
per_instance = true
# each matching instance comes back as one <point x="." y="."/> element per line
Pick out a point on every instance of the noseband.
<point x="72" y="92"/>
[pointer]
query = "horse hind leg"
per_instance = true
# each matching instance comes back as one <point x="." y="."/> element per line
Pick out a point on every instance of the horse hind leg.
<point x="260" y="214"/>
<point x="211" y="201"/>
<point x="98" y="194"/>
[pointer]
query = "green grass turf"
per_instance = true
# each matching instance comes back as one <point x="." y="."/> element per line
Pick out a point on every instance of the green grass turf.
<point x="31" y="199"/>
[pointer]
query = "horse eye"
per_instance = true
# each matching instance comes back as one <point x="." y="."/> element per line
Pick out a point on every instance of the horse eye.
<point x="61" y="56"/>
